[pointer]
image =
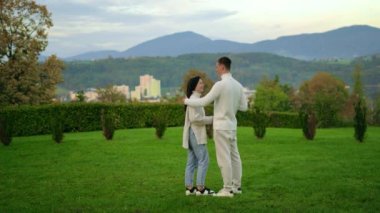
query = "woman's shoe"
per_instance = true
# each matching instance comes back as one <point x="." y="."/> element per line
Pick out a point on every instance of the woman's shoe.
<point x="191" y="191"/>
<point x="205" y="191"/>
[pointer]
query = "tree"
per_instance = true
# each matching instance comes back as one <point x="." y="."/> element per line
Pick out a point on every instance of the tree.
<point x="358" y="85"/>
<point x="23" y="36"/>
<point x="326" y="95"/>
<point x="360" y="106"/>
<point x="270" y="96"/>
<point x="192" y="73"/>
<point x="50" y="76"/>
<point x="80" y="97"/>
<point x="111" y="95"/>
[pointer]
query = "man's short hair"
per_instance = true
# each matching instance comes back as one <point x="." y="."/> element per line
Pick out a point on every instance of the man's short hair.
<point x="225" y="61"/>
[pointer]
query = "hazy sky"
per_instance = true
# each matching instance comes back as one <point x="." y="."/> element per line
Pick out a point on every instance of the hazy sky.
<point x="88" y="25"/>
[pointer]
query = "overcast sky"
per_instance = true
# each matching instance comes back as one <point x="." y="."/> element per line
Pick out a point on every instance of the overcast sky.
<point x="89" y="25"/>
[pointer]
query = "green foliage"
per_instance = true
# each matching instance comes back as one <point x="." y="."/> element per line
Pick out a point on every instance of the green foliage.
<point x="360" y="120"/>
<point x="209" y="131"/>
<point x="111" y="95"/>
<point x="80" y="96"/>
<point x="160" y="120"/>
<point x="260" y="122"/>
<point x="271" y="97"/>
<point x="23" y="36"/>
<point x="284" y="119"/>
<point x="326" y="95"/>
<point x="376" y="111"/>
<point x="83" y="117"/>
<point x="57" y="124"/>
<point x="108" y="120"/>
<point x="308" y="122"/>
<point x="6" y="129"/>
<point x="358" y="84"/>
<point x="248" y="68"/>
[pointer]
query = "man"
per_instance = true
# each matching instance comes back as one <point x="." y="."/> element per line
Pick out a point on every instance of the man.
<point x="228" y="97"/>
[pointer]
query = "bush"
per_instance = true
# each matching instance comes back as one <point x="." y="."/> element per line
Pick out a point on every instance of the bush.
<point x="309" y="123"/>
<point x="260" y="122"/>
<point x="83" y="117"/>
<point x="57" y="125"/>
<point x="6" y="128"/>
<point x="108" y="120"/>
<point x="160" y="120"/>
<point x="360" y="120"/>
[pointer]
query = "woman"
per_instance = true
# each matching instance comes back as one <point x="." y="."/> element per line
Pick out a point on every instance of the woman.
<point x="195" y="140"/>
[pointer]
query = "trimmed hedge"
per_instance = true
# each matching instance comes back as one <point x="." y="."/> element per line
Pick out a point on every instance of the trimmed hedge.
<point x="82" y="117"/>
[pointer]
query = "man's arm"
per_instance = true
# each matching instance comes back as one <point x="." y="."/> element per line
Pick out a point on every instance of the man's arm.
<point x="243" y="102"/>
<point x="210" y="97"/>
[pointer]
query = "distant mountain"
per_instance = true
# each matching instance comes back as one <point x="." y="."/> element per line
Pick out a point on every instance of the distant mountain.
<point x="182" y="43"/>
<point x="95" y="55"/>
<point x="346" y="42"/>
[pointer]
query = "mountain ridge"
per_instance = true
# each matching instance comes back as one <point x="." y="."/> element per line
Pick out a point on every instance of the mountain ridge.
<point x="345" y="42"/>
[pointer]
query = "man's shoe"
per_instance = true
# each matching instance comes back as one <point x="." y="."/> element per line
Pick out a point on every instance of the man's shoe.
<point x="191" y="191"/>
<point x="224" y="193"/>
<point x="205" y="191"/>
<point x="236" y="190"/>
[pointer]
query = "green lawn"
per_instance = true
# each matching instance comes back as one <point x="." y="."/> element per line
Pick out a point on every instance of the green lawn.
<point x="138" y="173"/>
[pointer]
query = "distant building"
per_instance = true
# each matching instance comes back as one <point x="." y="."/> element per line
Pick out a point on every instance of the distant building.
<point x="90" y="95"/>
<point x="148" y="90"/>
<point x="123" y="89"/>
<point x="136" y="94"/>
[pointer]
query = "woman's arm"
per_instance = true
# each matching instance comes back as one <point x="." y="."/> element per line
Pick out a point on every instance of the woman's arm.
<point x="196" y="116"/>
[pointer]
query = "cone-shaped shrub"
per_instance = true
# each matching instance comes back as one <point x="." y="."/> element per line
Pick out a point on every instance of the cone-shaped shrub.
<point x="6" y="126"/>
<point x="360" y="122"/>
<point x="260" y="122"/>
<point x="108" y="120"/>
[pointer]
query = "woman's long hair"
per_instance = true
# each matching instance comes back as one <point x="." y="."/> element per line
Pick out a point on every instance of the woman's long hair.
<point x="191" y="85"/>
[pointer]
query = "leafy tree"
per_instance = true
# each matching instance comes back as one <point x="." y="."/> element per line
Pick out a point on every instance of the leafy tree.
<point x="80" y="96"/>
<point x="23" y="36"/>
<point x="270" y="96"/>
<point x="111" y="95"/>
<point x="326" y="95"/>
<point x="50" y="76"/>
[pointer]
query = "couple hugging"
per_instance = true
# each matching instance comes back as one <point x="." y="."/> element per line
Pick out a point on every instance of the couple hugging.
<point x="228" y="97"/>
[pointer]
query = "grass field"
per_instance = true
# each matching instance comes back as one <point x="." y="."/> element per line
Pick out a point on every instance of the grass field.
<point x="138" y="173"/>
